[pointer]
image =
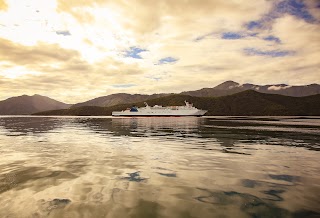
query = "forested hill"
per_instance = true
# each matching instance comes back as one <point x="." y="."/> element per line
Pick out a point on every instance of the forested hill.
<point x="240" y="104"/>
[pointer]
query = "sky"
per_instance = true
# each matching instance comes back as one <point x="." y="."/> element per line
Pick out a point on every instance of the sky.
<point x="76" y="50"/>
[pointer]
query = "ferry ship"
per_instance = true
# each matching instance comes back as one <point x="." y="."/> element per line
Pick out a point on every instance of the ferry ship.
<point x="158" y="110"/>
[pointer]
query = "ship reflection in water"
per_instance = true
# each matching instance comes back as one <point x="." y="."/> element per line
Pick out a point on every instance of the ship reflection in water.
<point x="157" y="125"/>
<point x="159" y="167"/>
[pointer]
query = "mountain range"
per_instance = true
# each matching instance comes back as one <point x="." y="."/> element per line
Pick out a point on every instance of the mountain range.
<point x="231" y="87"/>
<point x="118" y="98"/>
<point x="24" y="104"/>
<point x="245" y="103"/>
<point x="226" y="88"/>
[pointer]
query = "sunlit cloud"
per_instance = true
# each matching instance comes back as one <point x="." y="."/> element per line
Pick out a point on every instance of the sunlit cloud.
<point x="77" y="50"/>
<point x="3" y="5"/>
<point x="16" y="72"/>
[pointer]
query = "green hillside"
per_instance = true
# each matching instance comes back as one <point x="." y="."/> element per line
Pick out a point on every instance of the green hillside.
<point x="240" y="104"/>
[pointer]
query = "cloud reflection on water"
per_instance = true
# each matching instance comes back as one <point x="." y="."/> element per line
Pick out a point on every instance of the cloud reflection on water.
<point x="172" y="167"/>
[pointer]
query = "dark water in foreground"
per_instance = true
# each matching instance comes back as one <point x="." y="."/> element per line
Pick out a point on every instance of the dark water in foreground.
<point x="159" y="167"/>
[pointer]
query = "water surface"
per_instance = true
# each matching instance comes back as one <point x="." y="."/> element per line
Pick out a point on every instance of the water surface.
<point x="159" y="167"/>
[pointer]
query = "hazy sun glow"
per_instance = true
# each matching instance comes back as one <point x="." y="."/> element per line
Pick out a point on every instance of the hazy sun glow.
<point x="154" y="46"/>
<point x="16" y="72"/>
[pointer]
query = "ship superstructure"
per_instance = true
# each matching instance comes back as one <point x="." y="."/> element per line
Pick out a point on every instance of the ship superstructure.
<point x="158" y="110"/>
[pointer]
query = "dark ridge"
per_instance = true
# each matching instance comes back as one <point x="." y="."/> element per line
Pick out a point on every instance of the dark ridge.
<point x="246" y="103"/>
<point x="25" y="104"/>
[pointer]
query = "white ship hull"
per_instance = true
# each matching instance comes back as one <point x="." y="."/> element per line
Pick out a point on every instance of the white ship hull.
<point x="163" y="113"/>
<point x="159" y="111"/>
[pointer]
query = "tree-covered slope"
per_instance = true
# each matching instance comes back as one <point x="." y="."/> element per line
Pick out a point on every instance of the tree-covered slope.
<point x="240" y="104"/>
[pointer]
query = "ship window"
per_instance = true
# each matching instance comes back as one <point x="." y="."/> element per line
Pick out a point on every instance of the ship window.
<point x="133" y="109"/>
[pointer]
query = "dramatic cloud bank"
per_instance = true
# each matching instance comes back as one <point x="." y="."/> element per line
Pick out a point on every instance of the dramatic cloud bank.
<point x="76" y="50"/>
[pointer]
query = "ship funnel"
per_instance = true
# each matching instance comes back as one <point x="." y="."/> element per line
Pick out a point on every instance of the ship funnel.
<point x="188" y="104"/>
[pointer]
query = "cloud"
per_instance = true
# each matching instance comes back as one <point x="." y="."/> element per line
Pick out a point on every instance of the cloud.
<point x="278" y="87"/>
<point x="78" y="9"/>
<point x="304" y="10"/>
<point x="296" y="8"/>
<point x="148" y="16"/>
<point x="313" y="8"/>
<point x="3" y="5"/>
<point x="157" y="46"/>
<point x="297" y="34"/>
<point x="54" y="71"/>
<point x="41" y="53"/>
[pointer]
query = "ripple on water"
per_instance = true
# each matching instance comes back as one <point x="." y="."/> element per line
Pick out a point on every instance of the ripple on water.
<point x="179" y="167"/>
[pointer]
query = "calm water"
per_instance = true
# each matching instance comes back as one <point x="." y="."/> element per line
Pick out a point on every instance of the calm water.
<point x="159" y="167"/>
